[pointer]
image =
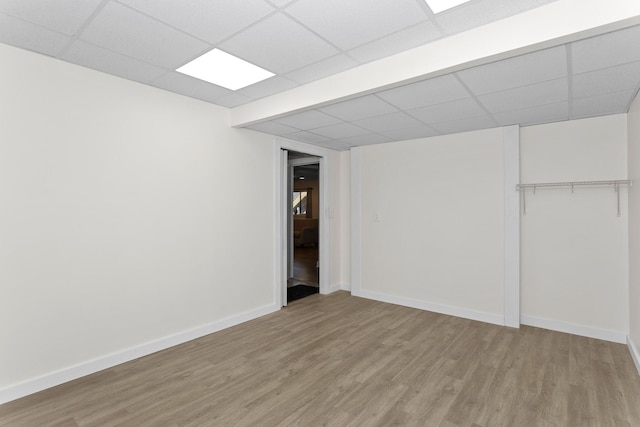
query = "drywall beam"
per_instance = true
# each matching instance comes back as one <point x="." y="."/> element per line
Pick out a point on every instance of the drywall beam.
<point x="557" y="23"/>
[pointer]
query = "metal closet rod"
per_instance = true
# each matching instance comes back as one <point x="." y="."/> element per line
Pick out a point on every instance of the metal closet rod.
<point x="574" y="184"/>
<point x="616" y="185"/>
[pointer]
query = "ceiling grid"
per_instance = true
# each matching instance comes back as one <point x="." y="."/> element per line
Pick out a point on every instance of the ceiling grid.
<point x="305" y="42"/>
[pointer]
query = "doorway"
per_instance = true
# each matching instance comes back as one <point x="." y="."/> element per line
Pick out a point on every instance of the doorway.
<point x="303" y="272"/>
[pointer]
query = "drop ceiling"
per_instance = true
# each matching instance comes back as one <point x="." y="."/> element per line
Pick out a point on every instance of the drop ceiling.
<point x="306" y="41"/>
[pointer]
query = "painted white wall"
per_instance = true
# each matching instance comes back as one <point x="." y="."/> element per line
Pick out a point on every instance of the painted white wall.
<point x="633" y="123"/>
<point x="345" y="220"/>
<point x="432" y="224"/>
<point x="338" y="214"/>
<point x="333" y="215"/>
<point x="127" y="214"/>
<point x="574" y="257"/>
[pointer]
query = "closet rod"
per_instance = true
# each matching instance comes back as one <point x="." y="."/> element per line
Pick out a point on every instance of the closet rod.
<point x="616" y="184"/>
<point x="574" y="184"/>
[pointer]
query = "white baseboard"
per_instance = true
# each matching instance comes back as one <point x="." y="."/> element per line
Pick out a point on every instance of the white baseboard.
<point x="339" y="287"/>
<point x="52" y="379"/>
<point x="635" y="353"/>
<point x="570" y="328"/>
<point x="334" y="288"/>
<point x="495" y="319"/>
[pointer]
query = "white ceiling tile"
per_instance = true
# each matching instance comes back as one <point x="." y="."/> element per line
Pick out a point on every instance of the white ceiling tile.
<point x="22" y="34"/>
<point x="233" y="100"/>
<point x="535" y="115"/>
<point x="607" y="50"/>
<point x="438" y="6"/>
<point x="388" y="122"/>
<point x="279" y="45"/>
<point x="610" y="103"/>
<point x="209" y="20"/>
<point x="308" y="137"/>
<point x="359" y="108"/>
<point x="429" y="92"/>
<point x="90" y="56"/>
<point x="280" y="3"/>
<point x="607" y="80"/>
<point x="481" y="12"/>
<point x="336" y="145"/>
<point x="63" y="16"/>
<point x="400" y="41"/>
<point x="340" y="131"/>
<point x="308" y="120"/>
<point x="456" y="110"/>
<point x="143" y="40"/>
<point x="404" y="134"/>
<point x="126" y="31"/>
<point x="526" y="96"/>
<point x="348" y="24"/>
<point x="324" y="68"/>
<point x="548" y="64"/>
<point x="267" y="87"/>
<point x="368" y="139"/>
<point x="189" y="86"/>
<point x="465" y="125"/>
<point x="273" y="128"/>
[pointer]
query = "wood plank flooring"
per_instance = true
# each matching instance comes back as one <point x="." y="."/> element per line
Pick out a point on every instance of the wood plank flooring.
<point x="339" y="360"/>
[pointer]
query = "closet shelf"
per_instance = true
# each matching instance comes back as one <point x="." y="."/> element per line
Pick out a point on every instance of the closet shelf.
<point x="572" y="184"/>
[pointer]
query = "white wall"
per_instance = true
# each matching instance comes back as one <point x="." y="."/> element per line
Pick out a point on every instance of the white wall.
<point x="574" y="259"/>
<point x="432" y="224"/>
<point x="339" y="217"/>
<point x="127" y="215"/>
<point x="634" y="230"/>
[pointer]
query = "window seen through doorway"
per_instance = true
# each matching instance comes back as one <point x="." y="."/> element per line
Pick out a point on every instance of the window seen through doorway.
<point x="300" y="203"/>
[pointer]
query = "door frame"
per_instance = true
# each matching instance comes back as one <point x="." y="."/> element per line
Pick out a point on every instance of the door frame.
<point x="281" y="238"/>
<point x="303" y="161"/>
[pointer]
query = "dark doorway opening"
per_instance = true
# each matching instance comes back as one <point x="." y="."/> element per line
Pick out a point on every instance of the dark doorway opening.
<point x="303" y="278"/>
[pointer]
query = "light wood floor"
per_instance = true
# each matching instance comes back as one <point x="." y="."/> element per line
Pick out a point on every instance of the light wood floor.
<point x="344" y="361"/>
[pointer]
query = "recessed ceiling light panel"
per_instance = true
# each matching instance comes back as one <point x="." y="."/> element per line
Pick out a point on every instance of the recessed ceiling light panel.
<point x="438" y="6"/>
<point x="223" y="69"/>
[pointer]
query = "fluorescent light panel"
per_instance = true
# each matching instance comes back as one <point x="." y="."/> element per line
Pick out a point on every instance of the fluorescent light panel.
<point x="438" y="6"/>
<point x="223" y="69"/>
